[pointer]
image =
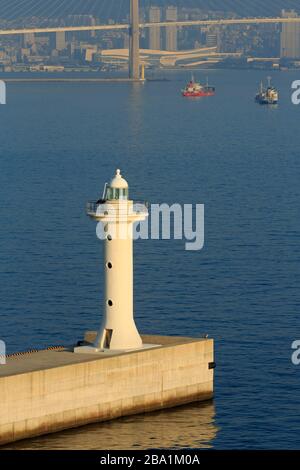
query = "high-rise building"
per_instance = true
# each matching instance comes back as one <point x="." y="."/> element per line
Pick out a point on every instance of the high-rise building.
<point x="28" y="39"/>
<point x="154" y="31"/>
<point x="211" y="40"/>
<point x="290" y="36"/>
<point x="171" y="31"/>
<point x="93" y="23"/>
<point x="126" y="41"/>
<point x="60" y="41"/>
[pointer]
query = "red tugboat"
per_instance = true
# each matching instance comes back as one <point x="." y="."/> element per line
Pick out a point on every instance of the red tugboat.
<point x="194" y="89"/>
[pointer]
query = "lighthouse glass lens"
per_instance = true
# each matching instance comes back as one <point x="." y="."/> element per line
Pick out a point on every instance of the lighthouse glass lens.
<point x="116" y="193"/>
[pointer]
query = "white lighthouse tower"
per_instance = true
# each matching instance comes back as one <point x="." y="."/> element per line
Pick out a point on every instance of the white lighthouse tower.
<point x="117" y="213"/>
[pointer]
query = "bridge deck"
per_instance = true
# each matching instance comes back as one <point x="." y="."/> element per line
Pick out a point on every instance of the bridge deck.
<point x="234" y="21"/>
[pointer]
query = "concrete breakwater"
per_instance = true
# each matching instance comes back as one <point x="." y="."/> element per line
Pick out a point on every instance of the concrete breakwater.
<point x="48" y="391"/>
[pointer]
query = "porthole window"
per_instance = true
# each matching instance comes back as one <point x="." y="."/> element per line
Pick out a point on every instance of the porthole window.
<point x="110" y="303"/>
<point x="109" y="238"/>
<point x="109" y="265"/>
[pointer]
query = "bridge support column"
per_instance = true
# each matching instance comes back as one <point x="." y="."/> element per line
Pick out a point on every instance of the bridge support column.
<point x="134" y="41"/>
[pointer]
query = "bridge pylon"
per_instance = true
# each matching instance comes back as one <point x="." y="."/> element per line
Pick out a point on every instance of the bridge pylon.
<point x="134" y="41"/>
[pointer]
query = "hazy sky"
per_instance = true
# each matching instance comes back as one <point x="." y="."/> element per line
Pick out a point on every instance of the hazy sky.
<point x="117" y="8"/>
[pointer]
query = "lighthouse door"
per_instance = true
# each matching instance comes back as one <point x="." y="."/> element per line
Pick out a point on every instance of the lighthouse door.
<point x="107" y="338"/>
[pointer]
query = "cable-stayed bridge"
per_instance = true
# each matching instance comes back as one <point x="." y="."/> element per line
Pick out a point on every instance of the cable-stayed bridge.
<point x="134" y="30"/>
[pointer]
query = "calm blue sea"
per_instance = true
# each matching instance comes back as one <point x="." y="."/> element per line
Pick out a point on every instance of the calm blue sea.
<point x="60" y="142"/>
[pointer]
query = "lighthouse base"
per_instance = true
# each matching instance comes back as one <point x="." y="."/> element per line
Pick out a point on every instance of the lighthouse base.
<point x="87" y="349"/>
<point x="47" y="391"/>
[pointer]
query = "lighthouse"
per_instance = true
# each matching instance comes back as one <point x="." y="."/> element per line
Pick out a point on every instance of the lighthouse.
<point x="117" y="214"/>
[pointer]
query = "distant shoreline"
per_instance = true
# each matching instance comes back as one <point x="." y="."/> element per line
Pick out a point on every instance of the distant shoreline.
<point x="76" y="80"/>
